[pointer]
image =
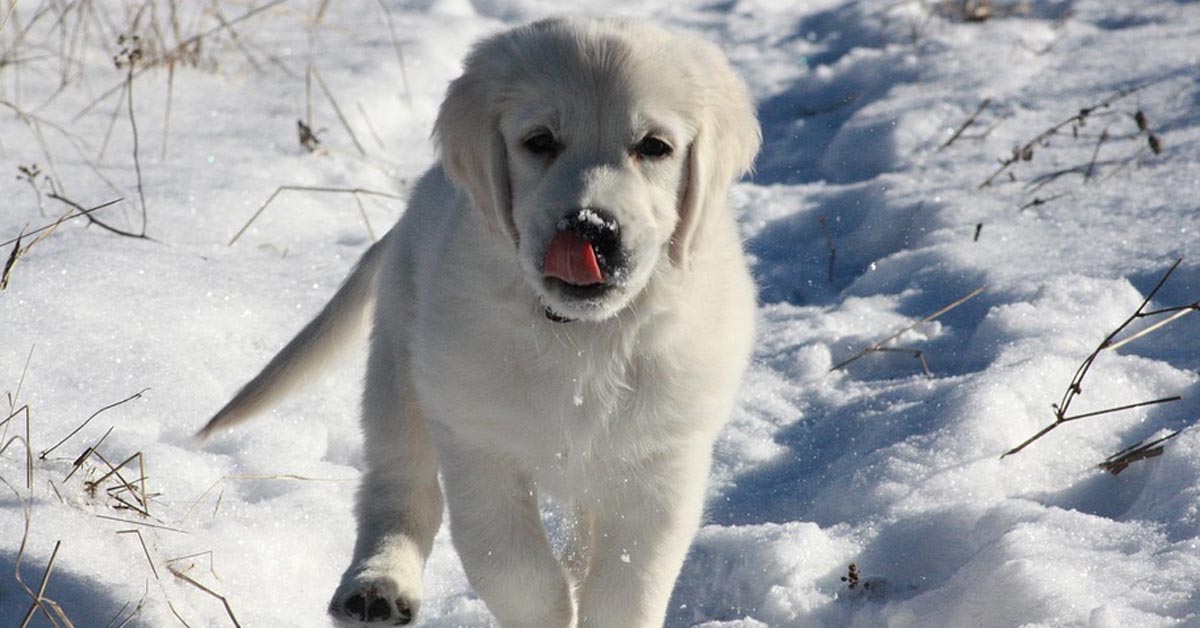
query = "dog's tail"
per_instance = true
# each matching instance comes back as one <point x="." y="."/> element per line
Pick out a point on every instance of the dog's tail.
<point x="338" y="322"/>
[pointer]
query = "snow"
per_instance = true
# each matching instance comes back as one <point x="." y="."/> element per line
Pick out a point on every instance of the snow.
<point x="873" y="464"/>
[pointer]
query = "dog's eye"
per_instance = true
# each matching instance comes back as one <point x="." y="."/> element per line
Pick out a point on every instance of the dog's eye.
<point x="541" y="143"/>
<point x="652" y="148"/>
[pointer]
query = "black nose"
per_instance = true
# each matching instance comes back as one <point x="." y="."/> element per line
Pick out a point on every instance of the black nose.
<point x="600" y="229"/>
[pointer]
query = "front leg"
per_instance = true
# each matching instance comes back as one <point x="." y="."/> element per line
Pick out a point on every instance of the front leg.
<point x="399" y="501"/>
<point x="497" y="530"/>
<point x="639" y="537"/>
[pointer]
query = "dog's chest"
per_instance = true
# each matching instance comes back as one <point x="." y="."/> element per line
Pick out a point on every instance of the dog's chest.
<point x="564" y="402"/>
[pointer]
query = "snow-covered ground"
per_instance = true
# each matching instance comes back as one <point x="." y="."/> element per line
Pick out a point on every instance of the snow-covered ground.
<point x="874" y="464"/>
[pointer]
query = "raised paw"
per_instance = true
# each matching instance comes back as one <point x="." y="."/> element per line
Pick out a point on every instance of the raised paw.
<point x="372" y="604"/>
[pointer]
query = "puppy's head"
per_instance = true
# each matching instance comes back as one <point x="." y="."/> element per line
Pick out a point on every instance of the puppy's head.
<point x="596" y="150"/>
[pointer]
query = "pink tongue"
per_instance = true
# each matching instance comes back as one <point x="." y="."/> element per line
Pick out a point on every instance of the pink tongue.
<point x="571" y="259"/>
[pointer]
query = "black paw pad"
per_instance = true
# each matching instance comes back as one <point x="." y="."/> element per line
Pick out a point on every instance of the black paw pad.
<point x="404" y="613"/>
<point x="356" y="606"/>
<point x="379" y="610"/>
<point x="368" y="607"/>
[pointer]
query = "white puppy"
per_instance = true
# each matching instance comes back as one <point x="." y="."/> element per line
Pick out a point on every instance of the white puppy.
<point x="564" y="308"/>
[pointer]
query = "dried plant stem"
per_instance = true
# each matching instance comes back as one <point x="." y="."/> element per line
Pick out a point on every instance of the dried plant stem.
<point x="387" y="12"/>
<point x="144" y="524"/>
<point x="1119" y="461"/>
<point x="167" y="112"/>
<point x="1091" y="167"/>
<point x="337" y="109"/>
<point x="1179" y="313"/>
<point x="1075" y="388"/>
<point x="137" y="162"/>
<point x="136" y="395"/>
<point x="237" y="38"/>
<point x="133" y="614"/>
<point x="12" y="8"/>
<point x="145" y="550"/>
<point x="154" y="571"/>
<point x="176" y="50"/>
<point x="96" y="221"/>
<point x="39" y="599"/>
<point x="305" y="188"/>
<point x="1025" y="151"/>
<point x="143" y="498"/>
<point x="18" y="251"/>
<point x="24" y="443"/>
<point x="965" y="125"/>
<point x="370" y="127"/>
<point x="13" y="256"/>
<point x="75" y="466"/>
<point x="882" y="344"/>
<point x="81" y="146"/>
<point x="112" y="123"/>
<point x="178" y="573"/>
<point x="1039" y="201"/>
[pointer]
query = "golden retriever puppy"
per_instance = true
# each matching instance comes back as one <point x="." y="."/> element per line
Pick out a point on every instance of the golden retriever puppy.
<point x="565" y="308"/>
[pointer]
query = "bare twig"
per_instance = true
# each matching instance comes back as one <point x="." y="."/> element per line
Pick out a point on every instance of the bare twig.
<point x="128" y="59"/>
<point x="965" y="125"/>
<point x="96" y="221"/>
<point x="1039" y="201"/>
<point x="882" y="344"/>
<point x="1075" y="388"/>
<point x="1091" y="167"/>
<point x="916" y="353"/>
<point x="1025" y="151"/>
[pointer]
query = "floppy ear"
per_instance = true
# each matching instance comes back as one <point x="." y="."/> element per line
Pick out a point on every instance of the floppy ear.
<point x="727" y="139"/>
<point x="472" y="148"/>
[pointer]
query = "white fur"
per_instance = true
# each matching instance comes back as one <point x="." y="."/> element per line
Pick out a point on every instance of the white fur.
<point x="615" y="411"/>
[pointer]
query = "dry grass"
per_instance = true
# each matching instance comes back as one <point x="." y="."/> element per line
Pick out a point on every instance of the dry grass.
<point x="1141" y="450"/>
<point x="357" y="193"/>
<point x="59" y="47"/>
